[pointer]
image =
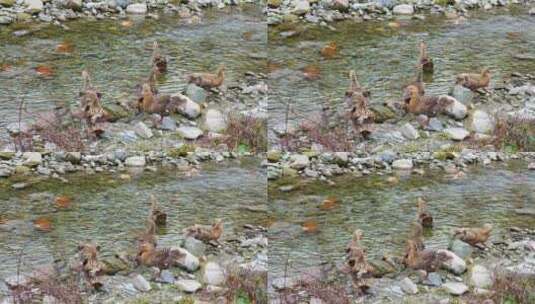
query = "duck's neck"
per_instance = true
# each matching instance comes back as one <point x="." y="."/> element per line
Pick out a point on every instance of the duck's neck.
<point x="413" y="103"/>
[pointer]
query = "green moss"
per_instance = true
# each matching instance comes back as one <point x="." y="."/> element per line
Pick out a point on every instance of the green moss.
<point x="182" y="151"/>
<point x="186" y="300"/>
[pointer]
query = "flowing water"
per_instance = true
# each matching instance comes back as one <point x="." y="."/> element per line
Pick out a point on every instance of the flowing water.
<point x="111" y="212"/>
<point x="384" y="57"/>
<point x="118" y="56"/>
<point x="384" y="212"/>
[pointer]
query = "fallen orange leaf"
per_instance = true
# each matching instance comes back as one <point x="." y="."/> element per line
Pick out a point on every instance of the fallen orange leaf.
<point x="64" y="47"/>
<point x="127" y="23"/>
<point x="5" y="67"/>
<point x="247" y="35"/>
<point x="394" y="25"/>
<point x="43" y="224"/>
<point x="44" y="70"/>
<point x="310" y="226"/>
<point x="311" y="72"/>
<point x="273" y="66"/>
<point x="329" y="50"/>
<point x="63" y="201"/>
<point x="329" y="203"/>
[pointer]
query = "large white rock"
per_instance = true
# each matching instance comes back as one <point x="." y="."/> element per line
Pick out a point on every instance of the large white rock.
<point x="140" y="283"/>
<point x="135" y="161"/>
<point x="455" y="288"/>
<point x="409" y="131"/>
<point x="452" y="263"/>
<point x="455" y="109"/>
<point x="403" y="9"/>
<point x="457" y="133"/>
<point x="34" y="6"/>
<point x="213" y="274"/>
<point x="299" y="161"/>
<point x="187" y="260"/>
<point x="480" y="277"/>
<point x="482" y="122"/>
<point x="408" y="286"/>
<point x="301" y="7"/>
<point x="186" y="106"/>
<point x="32" y="159"/>
<point x="188" y="132"/>
<point x="214" y="121"/>
<point x="137" y="8"/>
<point x="402" y="164"/>
<point x="142" y="130"/>
<point x="189" y="286"/>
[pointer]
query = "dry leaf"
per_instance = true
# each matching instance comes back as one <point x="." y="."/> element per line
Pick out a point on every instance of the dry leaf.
<point x="247" y="35"/>
<point x="127" y="23"/>
<point x="273" y="66"/>
<point x="329" y="51"/>
<point x="329" y="203"/>
<point x="43" y="224"/>
<point x="63" y="201"/>
<point x="310" y="226"/>
<point x="64" y="47"/>
<point x="5" y="67"/>
<point x="311" y="72"/>
<point x="44" y="70"/>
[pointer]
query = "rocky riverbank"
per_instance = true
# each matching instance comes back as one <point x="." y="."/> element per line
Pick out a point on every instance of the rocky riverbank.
<point x="481" y="276"/>
<point x="198" y="132"/>
<point x="60" y="11"/>
<point x="205" y="273"/>
<point x="325" y="12"/>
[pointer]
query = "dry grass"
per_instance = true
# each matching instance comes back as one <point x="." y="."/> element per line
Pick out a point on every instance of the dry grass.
<point x="246" y="132"/>
<point x="516" y="134"/>
<point x="245" y="286"/>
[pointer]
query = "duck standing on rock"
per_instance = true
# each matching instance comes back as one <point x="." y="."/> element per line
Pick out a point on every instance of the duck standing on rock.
<point x="474" y="236"/>
<point x="357" y="265"/>
<point x="90" y="264"/>
<point x="422" y="259"/>
<point x="149" y="255"/>
<point x="151" y="103"/>
<point x="205" y="233"/>
<point x="425" y="61"/>
<point x="90" y="104"/>
<point x="474" y="81"/>
<point x="208" y="81"/>
<point x="428" y="105"/>
<point x="424" y="217"/>
<point x="360" y="115"/>
<point x="158" y="60"/>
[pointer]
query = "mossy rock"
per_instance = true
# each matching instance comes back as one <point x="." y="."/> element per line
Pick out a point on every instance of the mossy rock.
<point x="7" y="155"/>
<point x="7" y="3"/>
<point x="182" y="151"/>
<point x="382" y="113"/>
<point x="271" y="3"/>
<point x="273" y="156"/>
<point x="115" y="111"/>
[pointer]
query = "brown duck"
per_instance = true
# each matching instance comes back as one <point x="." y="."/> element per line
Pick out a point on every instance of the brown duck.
<point x="428" y="105"/>
<point x="357" y="265"/>
<point x="418" y="83"/>
<point x="208" y="80"/>
<point x="152" y="103"/>
<point x="149" y="255"/>
<point x="425" y="61"/>
<point x="158" y="60"/>
<point x="205" y="233"/>
<point x="424" y="217"/>
<point x="474" y="81"/>
<point x="158" y="216"/>
<point x="91" y="266"/>
<point x="426" y="259"/>
<point x="360" y="115"/>
<point x="474" y="236"/>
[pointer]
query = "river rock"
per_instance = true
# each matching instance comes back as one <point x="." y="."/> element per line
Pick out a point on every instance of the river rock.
<point x="34" y="6"/>
<point x="461" y="249"/>
<point x="301" y="7"/>
<point x="189" y="286"/>
<point x="187" y="107"/>
<point x="403" y="9"/>
<point x="142" y="130"/>
<point x="341" y="158"/>
<point x="140" y="283"/>
<point x="299" y="161"/>
<point x="408" y="286"/>
<point x="455" y="109"/>
<point x="340" y="5"/>
<point x="409" y="131"/>
<point x="188" y="132"/>
<point x="166" y="276"/>
<point x="214" y="121"/>
<point x="481" y="122"/>
<point x="402" y="164"/>
<point x="137" y="8"/>
<point x="75" y="5"/>
<point x="213" y="274"/>
<point x="135" y="161"/>
<point x="382" y="112"/>
<point x="453" y="263"/>
<point x="32" y="159"/>
<point x="480" y="277"/>
<point x="168" y="124"/>
<point x="196" y="93"/>
<point x="435" y="124"/>
<point x="457" y="133"/>
<point x="455" y="288"/>
<point x="187" y="260"/>
<point x="194" y="246"/>
<point x="433" y="279"/>
<point x="462" y="94"/>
